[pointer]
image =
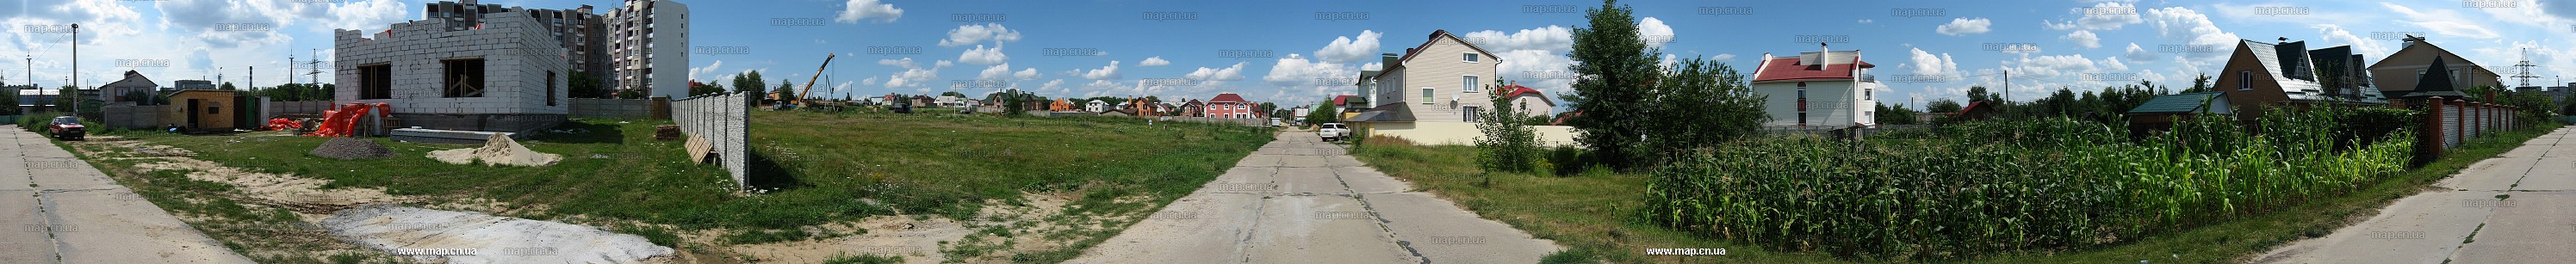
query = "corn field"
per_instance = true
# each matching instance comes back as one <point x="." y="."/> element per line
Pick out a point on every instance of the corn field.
<point x="1989" y="187"/>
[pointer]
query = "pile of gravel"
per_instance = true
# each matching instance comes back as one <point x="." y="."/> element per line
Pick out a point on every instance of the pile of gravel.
<point x="350" y="148"/>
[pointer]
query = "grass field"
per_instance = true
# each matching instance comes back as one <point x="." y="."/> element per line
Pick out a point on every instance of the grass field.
<point x="809" y="169"/>
<point x="1593" y="213"/>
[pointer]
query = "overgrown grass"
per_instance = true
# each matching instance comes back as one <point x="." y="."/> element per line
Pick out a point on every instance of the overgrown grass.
<point x="1588" y="212"/>
<point x="809" y="169"/>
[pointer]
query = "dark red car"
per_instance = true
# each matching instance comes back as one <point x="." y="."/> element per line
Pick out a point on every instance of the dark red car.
<point x="66" y="128"/>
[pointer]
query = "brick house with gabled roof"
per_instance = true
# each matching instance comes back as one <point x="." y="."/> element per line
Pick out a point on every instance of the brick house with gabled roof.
<point x="1229" y="105"/>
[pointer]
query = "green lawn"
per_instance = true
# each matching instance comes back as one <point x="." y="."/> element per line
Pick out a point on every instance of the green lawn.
<point x="1593" y="213"/>
<point x="809" y="169"/>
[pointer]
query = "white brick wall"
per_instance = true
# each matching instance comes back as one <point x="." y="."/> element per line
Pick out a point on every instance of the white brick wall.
<point x="516" y="51"/>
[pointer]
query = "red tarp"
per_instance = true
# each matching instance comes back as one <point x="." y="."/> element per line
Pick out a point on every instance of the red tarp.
<point x="275" y="124"/>
<point x="340" y="122"/>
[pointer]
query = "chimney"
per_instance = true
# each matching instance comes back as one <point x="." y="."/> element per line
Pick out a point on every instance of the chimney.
<point x="1386" y="60"/>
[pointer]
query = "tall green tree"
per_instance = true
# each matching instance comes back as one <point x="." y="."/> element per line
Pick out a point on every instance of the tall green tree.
<point x="582" y="85"/>
<point x="1942" y="106"/>
<point x="228" y="86"/>
<point x="2200" y="84"/>
<point x="749" y="82"/>
<point x="1324" y="112"/>
<point x="1618" y="69"/>
<point x="1508" y="144"/>
<point x="1699" y="103"/>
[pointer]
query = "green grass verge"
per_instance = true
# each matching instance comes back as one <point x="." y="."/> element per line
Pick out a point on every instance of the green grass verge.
<point x="809" y="169"/>
<point x="1591" y="213"/>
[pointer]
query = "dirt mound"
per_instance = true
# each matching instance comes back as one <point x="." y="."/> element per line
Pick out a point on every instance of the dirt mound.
<point x="351" y="148"/>
<point x="294" y="193"/>
<point x="497" y="150"/>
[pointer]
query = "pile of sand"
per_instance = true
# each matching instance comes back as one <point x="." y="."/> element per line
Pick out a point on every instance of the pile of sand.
<point x="470" y="237"/>
<point x="351" y="148"/>
<point x="497" y="150"/>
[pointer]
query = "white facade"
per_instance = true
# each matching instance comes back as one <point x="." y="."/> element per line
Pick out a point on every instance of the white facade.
<point x="1839" y="93"/>
<point x="1829" y="103"/>
<point x="648" y="44"/>
<point x="1440" y="81"/>
<point x="1096" y="106"/>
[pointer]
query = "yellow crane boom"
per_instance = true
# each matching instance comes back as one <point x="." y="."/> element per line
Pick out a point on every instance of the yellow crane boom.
<point x="809" y="82"/>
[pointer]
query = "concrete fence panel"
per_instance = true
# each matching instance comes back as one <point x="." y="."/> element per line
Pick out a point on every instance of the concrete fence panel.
<point x="723" y="120"/>
<point x="611" y="108"/>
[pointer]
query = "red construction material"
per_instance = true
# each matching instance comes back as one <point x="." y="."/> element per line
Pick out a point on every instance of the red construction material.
<point x="275" y="124"/>
<point x="341" y="121"/>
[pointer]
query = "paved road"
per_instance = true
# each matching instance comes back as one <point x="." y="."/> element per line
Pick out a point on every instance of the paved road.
<point x="1300" y="200"/>
<point x="2535" y="224"/>
<point x="58" y="209"/>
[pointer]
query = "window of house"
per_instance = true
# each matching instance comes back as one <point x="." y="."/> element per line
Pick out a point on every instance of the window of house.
<point x="1868" y="94"/>
<point x="1470" y="57"/>
<point x="1470" y="114"/>
<point x="376" y="82"/>
<point x="462" y="78"/>
<point x="215" y="108"/>
<point x="1470" y="82"/>
<point x="550" y="88"/>
<point x="1426" y="95"/>
<point x="2245" y="80"/>
<point x="1802" y="84"/>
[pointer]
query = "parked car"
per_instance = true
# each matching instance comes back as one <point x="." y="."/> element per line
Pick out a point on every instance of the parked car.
<point x="1332" y="131"/>
<point x="66" y="128"/>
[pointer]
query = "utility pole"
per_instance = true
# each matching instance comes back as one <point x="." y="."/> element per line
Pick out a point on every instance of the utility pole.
<point x="2007" y="91"/>
<point x="76" y="87"/>
<point x="314" y="77"/>
<point x="2524" y="69"/>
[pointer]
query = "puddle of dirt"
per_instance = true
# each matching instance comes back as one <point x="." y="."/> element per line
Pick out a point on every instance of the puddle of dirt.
<point x="919" y="241"/>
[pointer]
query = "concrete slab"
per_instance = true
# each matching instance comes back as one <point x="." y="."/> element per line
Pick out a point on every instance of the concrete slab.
<point x="1444" y="233"/>
<point x="2493" y="174"/>
<point x="2531" y="227"/>
<point x="1342" y="161"/>
<point x="2525" y="152"/>
<point x="116" y="226"/>
<point x="2425" y="228"/>
<point x="1321" y="229"/>
<point x="1199" y="228"/>
<point x="1261" y="160"/>
<point x="2550" y="174"/>
<point x="1365" y="180"/>
<point x="1302" y="161"/>
<point x="24" y="240"/>
<point x="1310" y="180"/>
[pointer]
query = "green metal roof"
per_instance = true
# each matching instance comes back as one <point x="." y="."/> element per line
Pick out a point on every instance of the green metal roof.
<point x="2176" y="103"/>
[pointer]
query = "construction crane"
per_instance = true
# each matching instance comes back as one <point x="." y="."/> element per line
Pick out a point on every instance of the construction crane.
<point x="809" y="82"/>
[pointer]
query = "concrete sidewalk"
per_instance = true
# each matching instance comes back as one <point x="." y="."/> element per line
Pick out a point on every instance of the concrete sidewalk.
<point x="62" y="210"/>
<point x="1300" y="200"/>
<point x="2534" y="223"/>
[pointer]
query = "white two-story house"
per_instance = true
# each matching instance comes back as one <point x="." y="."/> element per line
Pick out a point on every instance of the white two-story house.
<point x="1429" y="94"/>
<point x="1825" y="89"/>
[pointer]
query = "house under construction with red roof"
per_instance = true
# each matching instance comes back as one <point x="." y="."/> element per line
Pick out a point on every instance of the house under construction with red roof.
<point x="1824" y="88"/>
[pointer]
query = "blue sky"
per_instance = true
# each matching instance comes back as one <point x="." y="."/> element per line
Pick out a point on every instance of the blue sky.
<point x="1302" y="51"/>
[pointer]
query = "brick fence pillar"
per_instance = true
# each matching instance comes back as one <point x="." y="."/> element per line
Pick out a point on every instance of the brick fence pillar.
<point x="2428" y="141"/>
<point x="2460" y="128"/>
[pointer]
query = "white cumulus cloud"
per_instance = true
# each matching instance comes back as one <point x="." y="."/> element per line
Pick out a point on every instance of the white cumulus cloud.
<point x="1964" y="26"/>
<point x="1348" y="49"/>
<point x="1154" y="61"/>
<point x="971" y="34"/>
<point x="857" y="10"/>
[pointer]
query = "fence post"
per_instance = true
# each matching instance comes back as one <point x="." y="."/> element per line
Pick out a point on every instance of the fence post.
<point x="2459" y="128"/>
<point x="2428" y="142"/>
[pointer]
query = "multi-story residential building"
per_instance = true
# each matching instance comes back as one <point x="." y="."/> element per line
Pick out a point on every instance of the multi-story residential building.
<point x="1443" y="80"/>
<point x="127" y="89"/>
<point x="1229" y="105"/>
<point x="648" y="44"/>
<point x="582" y="33"/>
<point x="1823" y="88"/>
<point x="2396" y="75"/>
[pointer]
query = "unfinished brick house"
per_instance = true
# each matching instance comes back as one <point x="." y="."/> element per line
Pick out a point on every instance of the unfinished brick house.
<point x="504" y="74"/>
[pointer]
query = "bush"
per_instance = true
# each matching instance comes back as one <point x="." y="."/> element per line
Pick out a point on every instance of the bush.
<point x="1989" y="187"/>
<point x="1567" y="160"/>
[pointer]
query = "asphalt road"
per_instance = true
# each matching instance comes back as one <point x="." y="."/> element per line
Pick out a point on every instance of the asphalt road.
<point x="62" y="210"/>
<point x="2465" y="221"/>
<point x="1300" y="200"/>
